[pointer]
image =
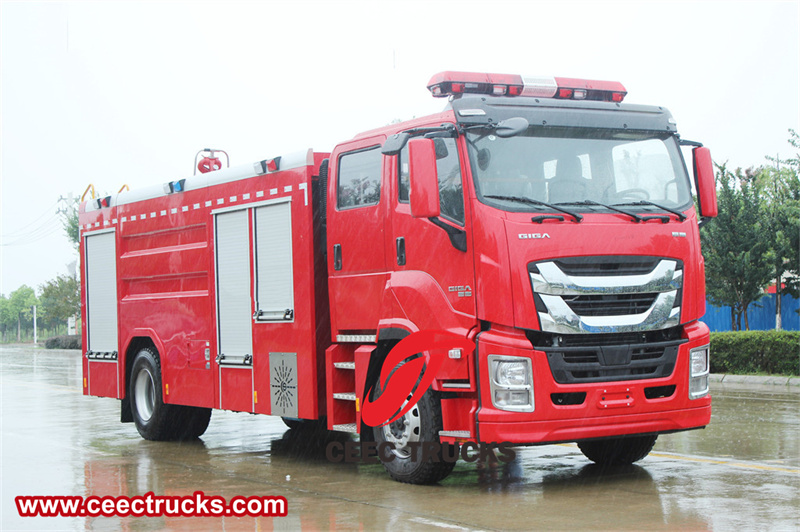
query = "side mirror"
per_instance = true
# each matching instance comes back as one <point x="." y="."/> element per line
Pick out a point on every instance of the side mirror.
<point x="424" y="193"/>
<point x="395" y="143"/>
<point x="704" y="180"/>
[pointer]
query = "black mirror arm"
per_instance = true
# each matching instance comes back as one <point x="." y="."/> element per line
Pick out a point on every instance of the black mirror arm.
<point x="458" y="237"/>
<point x="398" y="141"/>
<point x="684" y="142"/>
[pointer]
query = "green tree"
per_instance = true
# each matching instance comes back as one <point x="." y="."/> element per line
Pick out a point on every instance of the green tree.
<point x="7" y="319"/>
<point x="734" y="247"/>
<point x="21" y="302"/>
<point x="60" y="299"/>
<point x="779" y="187"/>
<point x="69" y="219"/>
<point x="779" y="190"/>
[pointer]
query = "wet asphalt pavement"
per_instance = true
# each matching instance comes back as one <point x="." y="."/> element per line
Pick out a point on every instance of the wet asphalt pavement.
<point x="741" y="473"/>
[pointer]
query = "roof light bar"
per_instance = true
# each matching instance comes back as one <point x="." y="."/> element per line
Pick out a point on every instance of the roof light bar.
<point x="446" y="84"/>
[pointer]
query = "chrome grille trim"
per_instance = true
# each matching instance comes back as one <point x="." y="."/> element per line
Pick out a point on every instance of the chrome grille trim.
<point x="551" y="280"/>
<point x="562" y="319"/>
<point x="556" y="289"/>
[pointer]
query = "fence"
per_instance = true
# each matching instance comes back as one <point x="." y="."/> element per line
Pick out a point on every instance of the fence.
<point x="9" y="335"/>
<point x="761" y="315"/>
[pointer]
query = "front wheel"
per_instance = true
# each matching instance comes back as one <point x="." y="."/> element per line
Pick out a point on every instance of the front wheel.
<point x="618" y="451"/>
<point x="407" y="459"/>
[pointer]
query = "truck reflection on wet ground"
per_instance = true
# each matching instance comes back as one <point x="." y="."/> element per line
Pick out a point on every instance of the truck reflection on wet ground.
<point x="743" y="471"/>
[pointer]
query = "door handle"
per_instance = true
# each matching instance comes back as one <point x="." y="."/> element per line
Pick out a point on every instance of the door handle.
<point x="337" y="257"/>
<point x="400" y="244"/>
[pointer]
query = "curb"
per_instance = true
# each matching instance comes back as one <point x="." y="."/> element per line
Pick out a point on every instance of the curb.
<point x="755" y="379"/>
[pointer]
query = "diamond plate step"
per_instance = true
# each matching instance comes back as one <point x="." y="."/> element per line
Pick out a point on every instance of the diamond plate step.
<point x="345" y="396"/>
<point x="455" y="433"/>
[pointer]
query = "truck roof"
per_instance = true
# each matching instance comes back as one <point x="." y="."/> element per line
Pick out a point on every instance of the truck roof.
<point x="194" y="182"/>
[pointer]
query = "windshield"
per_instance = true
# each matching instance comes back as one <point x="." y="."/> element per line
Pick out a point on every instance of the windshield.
<point x="574" y="165"/>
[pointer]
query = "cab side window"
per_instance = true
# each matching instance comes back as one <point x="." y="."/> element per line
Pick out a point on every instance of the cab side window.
<point x="359" y="179"/>
<point x="448" y="169"/>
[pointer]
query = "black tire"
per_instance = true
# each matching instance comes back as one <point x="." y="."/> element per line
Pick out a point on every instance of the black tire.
<point x="314" y="426"/>
<point x="154" y="419"/>
<point x="195" y="424"/>
<point x="292" y="423"/>
<point x="420" y="424"/>
<point x="618" y="451"/>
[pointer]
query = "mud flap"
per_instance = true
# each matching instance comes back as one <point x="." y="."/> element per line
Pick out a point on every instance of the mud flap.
<point x="125" y="414"/>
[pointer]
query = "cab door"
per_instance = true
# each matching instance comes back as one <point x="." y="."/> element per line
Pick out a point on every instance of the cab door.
<point x="432" y="260"/>
<point x="356" y="235"/>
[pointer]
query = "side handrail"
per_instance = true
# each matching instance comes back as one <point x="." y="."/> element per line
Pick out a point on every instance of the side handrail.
<point x="90" y="187"/>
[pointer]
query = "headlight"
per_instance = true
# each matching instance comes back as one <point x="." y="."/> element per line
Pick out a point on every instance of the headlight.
<point x="699" y="368"/>
<point x="511" y="373"/>
<point x="699" y="361"/>
<point x="511" y="382"/>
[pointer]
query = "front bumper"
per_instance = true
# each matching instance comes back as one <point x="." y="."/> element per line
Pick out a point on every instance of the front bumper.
<point x="578" y="411"/>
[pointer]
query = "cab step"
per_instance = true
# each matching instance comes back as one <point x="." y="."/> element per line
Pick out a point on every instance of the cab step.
<point x="346" y="427"/>
<point x="345" y="396"/>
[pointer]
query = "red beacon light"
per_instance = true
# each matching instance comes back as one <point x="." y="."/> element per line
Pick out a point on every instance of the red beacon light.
<point x="446" y="84"/>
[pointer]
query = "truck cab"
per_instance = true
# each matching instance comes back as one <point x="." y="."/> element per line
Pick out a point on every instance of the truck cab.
<point x="552" y="225"/>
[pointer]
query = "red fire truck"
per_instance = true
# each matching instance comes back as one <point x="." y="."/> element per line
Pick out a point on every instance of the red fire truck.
<point x="542" y="219"/>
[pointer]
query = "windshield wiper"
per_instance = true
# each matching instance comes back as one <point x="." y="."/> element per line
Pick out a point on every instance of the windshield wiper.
<point x="679" y="214"/>
<point x="636" y="217"/>
<point x="528" y="201"/>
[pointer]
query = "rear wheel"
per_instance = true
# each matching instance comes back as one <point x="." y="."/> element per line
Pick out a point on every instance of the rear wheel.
<point x="154" y="419"/>
<point x="195" y="422"/>
<point x="618" y="451"/>
<point x="408" y="435"/>
<point x="307" y="426"/>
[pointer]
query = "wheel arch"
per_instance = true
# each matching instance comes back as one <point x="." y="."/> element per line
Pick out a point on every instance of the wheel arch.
<point x="138" y="341"/>
<point x="388" y="336"/>
<point x="134" y="345"/>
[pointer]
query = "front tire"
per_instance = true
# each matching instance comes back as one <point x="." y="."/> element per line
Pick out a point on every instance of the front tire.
<point x="618" y="451"/>
<point x="415" y="428"/>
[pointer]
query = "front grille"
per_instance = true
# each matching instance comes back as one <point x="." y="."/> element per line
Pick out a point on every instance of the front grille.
<point x="610" y="305"/>
<point x="579" y="357"/>
<point x="646" y="353"/>
<point x="610" y="265"/>
<point x="607" y="294"/>
<point x="542" y="339"/>
<point x="571" y="365"/>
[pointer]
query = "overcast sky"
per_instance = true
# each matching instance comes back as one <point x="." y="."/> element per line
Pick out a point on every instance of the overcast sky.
<point x="115" y="93"/>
